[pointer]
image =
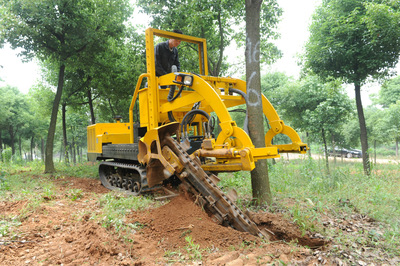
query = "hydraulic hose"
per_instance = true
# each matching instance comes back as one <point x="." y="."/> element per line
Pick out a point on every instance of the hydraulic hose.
<point x="244" y="95"/>
<point x="189" y="117"/>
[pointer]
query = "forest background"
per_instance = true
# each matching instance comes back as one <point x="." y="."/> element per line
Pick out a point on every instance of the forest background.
<point x="25" y="122"/>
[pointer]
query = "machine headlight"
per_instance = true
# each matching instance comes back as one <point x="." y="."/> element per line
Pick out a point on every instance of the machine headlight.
<point x="184" y="79"/>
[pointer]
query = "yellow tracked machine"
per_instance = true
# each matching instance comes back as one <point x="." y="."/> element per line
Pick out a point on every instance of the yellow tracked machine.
<point x="174" y="138"/>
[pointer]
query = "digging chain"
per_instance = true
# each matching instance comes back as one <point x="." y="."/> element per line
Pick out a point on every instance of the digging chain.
<point x="209" y="195"/>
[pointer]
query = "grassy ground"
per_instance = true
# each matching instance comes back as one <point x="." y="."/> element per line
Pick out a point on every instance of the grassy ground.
<point x="303" y="190"/>
<point x="29" y="183"/>
<point x="330" y="205"/>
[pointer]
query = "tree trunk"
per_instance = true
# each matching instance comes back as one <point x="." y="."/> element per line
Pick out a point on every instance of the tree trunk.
<point x="333" y="150"/>
<point x="397" y="148"/>
<point x="326" y="151"/>
<point x="375" y="152"/>
<point x="221" y="46"/>
<point x="42" y="149"/>
<point x="49" y="163"/>
<point x="259" y="176"/>
<point x="309" y="143"/>
<point x="20" y="145"/>
<point x="61" y="151"/>
<point x="363" y="130"/>
<point x="111" y="108"/>
<point x="90" y="100"/>
<point x="12" y="138"/>
<point x="35" y="151"/>
<point x="73" y="150"/>
<point x="64" y="130"/>
<point x="1" y="147"/>
<point x="32" y="144"/>
<point x="214" y="67"/>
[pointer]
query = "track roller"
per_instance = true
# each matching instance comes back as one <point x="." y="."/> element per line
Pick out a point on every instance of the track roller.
<point x="129" y="178"/>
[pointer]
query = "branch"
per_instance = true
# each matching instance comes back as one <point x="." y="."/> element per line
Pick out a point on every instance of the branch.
<point x="49" y="47"/>
<point x="68" y="55"/>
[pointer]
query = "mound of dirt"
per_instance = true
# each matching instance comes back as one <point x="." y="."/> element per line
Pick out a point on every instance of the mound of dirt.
<point x="180" y="218"/>
<point x="170" y="225"/>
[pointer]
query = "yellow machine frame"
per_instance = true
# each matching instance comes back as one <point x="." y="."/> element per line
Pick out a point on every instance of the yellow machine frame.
<point x="233" y="149"/>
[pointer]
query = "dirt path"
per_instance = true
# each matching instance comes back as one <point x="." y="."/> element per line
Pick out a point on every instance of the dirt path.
<point x="338" y="159"/>
<point x="61" y="231"/>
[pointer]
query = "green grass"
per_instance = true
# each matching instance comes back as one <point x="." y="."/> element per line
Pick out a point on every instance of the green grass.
<point x="115" y="206"/>
<point x="20" y="185"/>
<point x="7" y="227"/>
<point x="86" y="170"/>
<point x="308" y="194"/>
<point x="17" y="185"/>
<point x="193" y="250"/>
<point x="75" y="194"/>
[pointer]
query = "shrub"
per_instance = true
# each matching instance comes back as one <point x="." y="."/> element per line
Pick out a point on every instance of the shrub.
<point x="6" y="155"/>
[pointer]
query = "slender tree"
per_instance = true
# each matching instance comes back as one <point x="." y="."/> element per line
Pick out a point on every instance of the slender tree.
<point x="259" y="176"/>
<point x="354" y="40"/>
<point x="315" y="107"/>
<point x="377" y="121"/>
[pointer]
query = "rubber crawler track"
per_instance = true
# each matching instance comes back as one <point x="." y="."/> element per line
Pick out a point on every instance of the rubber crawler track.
<point x="111" y="179"/>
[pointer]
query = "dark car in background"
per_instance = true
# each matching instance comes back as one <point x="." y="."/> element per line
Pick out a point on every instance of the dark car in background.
<point x="355" y="153"/>
<point x="342" y="152"/>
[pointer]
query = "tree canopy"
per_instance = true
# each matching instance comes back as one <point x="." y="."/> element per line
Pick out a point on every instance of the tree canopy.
<point x="220" y="22"/>
<point x="354" y="40"/>
<point x="390" y="92"/>
<point x="14" y="113"/>
<point x="60" y="31"/>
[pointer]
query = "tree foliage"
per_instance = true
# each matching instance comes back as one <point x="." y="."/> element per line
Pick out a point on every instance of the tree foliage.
<point x="354" y="40"/>
<point x="60" y="31"/>
<point x="272" y="85"/>
<point x="316" y="107"/>
<point x="390" y="92"/>
<point x="351" y="130"/>
<point x="311" y="105"/>
<point x="220" y="22"/>
<point x="14" y="115"/>
<point x="393" y="124"/>
<point x="114" y="75"/>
